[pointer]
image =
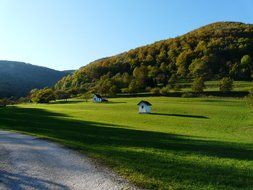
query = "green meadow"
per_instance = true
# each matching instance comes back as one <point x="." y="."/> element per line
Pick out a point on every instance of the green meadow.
<point x="186" y="143"/>
<point x="213" y="86"/>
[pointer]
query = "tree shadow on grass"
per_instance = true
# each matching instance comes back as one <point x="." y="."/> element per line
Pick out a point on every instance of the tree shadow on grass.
<point x="162" y="159"/>
<point x="110" y="102"/>
<point x="181" y="115"/>
<point x="218" y="100"/>
<point x="67" y="102"/>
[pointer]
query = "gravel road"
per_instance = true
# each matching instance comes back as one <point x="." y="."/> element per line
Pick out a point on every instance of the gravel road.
<point x="30" y="163"/>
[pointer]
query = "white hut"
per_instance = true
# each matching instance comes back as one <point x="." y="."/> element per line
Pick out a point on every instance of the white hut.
<point x="144" y="106"/>
<point x="97" y="98"/>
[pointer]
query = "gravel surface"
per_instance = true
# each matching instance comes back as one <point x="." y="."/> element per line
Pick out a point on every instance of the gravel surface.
<point x="30" y="163"/>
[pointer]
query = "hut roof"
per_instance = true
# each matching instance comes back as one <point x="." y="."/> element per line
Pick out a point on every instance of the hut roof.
<point x="98" y="95"/>
<point x="144" y="102"/>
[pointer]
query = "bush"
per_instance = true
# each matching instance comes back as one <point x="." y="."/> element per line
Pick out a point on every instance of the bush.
<point x="134" y="86"/>
<point x="164" y="91"/>
<point x="43" y="96"/>
<point x="73" y="92"/>
<point x="188" y="95"/>
<point x="125" y="90"/>
<point x="62" y="95"/>
<point x="177" y="87"/>
<point x="148" y="89"/>
<point x="155" y="91"/>
<point x="3" y="102"/>
<point x="172" y="81"/>
<point x="226" y="84"/>
<point x="198" y="85"/>
<point x="23" y="100"/>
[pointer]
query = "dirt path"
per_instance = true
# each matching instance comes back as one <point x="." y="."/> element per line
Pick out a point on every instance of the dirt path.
<point x="30" y="163"/>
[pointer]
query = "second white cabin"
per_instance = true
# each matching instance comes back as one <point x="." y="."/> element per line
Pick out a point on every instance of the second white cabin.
<point x="97" y="98"/>
<point x="144" y="107"/>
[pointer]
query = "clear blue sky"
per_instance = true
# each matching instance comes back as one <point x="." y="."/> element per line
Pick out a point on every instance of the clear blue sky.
<point x="67" y="34"/>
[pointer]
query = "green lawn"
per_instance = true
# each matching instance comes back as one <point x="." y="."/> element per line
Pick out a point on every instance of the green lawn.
<point x="195" y="143"/>
<point x="214" y="86"/>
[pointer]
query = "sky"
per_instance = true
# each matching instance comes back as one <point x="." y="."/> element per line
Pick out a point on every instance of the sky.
<point x="68" y="34"/>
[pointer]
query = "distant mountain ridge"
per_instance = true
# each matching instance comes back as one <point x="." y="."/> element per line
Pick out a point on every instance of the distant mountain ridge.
<point x="18" y="78"/>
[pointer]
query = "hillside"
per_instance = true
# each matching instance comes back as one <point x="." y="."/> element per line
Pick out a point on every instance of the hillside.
<point x="17" y="78"/>
<point x="222" y="49"/>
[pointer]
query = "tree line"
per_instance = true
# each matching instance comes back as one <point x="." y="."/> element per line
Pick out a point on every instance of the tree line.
<point x="213" y="52"/>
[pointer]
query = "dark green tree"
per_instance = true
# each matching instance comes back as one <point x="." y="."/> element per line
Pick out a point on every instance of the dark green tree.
<point x="43" y="96"/>
<point x="62" y="95"/>
<point x="198" y="85"/>
<point x="246" y="67"/>
<point x="226" y="84"/>
<point x="246" y="61"/>
<point x="106" y="86"/>
<point x="134" y="86"/>
<point x="141" y="75"/>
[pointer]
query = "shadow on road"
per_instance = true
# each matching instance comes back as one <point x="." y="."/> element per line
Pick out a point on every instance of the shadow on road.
<point x="11" y="181"/>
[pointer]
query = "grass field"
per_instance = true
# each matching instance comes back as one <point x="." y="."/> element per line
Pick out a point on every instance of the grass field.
<point x="195" y="143"/>
<point x="214" y="86"/>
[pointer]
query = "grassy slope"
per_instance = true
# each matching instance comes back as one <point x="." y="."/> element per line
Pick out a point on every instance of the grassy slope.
<point x="214" y="86"/>
<point x="202" y="143"/>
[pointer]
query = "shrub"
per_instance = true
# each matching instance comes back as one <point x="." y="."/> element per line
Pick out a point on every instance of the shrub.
<point x="10" y="101"/>
<point x="177" y="87"/>
<point x="134" y="86"/>
<point x="155" y="91"/>
<point x="246" y="60"/>
<point x="226" y="84"/>
<point x="198" y="85"/>
<point x="148" y="89"/>
<point x="125" y="90"/>
<point x="3" y="102"/>
<point x="188" y="95"/>
<point x="43" y="96"/>
<point x="23" y="100"/>
<point x="172" y="81"/>
<point x="164" y="91"/>
<point x="62" y="95"/>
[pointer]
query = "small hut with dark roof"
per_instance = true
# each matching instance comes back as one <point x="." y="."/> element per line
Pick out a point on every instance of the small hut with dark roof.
<point x="97" y="98"/>
<point x="144" y="106"/>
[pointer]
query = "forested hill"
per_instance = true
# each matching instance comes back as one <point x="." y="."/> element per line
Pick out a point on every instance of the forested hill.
<point x="222" y="49"/>
<point x="17" y="78"/>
